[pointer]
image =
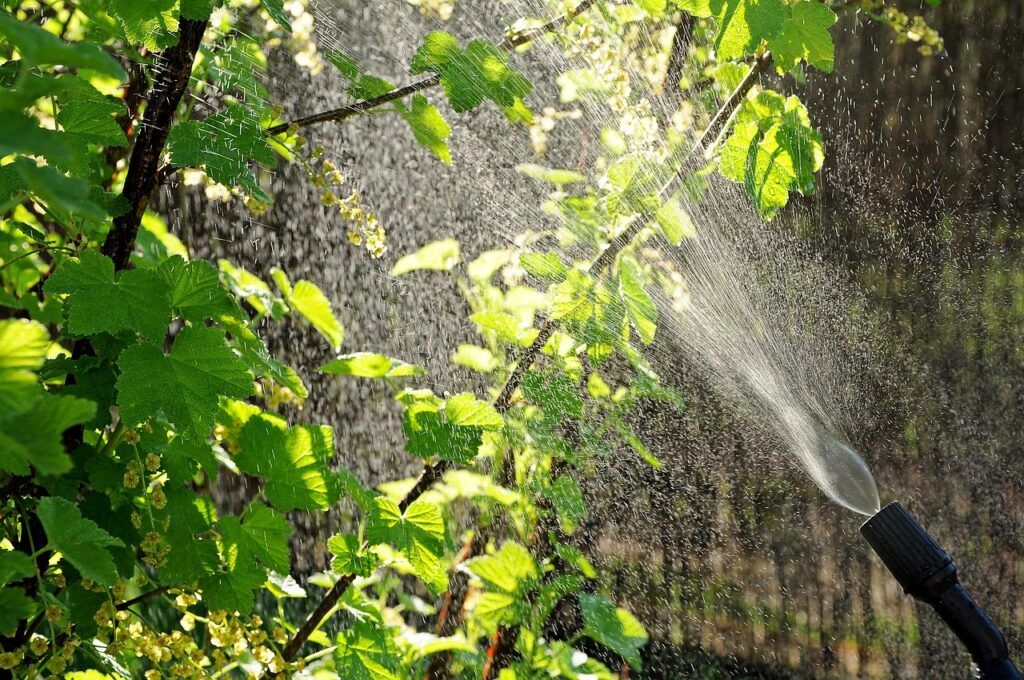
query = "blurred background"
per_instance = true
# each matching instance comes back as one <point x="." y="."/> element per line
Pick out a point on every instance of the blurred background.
<point x="736" y="564"/>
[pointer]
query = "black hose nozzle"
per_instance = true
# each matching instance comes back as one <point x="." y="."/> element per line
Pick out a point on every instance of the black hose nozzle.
<point x="927" y="572"/>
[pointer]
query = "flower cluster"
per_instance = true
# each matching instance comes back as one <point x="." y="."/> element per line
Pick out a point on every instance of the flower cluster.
<point x="364" y="228"/>
<point x="908" y="29"/>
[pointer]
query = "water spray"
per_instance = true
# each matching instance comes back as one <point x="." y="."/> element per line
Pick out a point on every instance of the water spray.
<point x="927" y="572"/>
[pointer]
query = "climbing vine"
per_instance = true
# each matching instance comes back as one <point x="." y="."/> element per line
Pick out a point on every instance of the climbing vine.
<point x="133" y="377"/>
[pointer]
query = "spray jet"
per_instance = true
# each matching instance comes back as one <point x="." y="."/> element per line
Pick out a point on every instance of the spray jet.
<point x="927" y="572"/>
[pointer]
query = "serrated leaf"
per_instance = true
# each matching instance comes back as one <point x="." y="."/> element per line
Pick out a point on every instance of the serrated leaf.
<point x="429" y="435"/>
<point x="34" y="436"/>
<point x="510" y="570"/>
<point x="428" y="126"/>
<point x="639" y="306"/>
<point x="557" y="393"/>
<point x="232" y="591"/>
<point x="80" y="541"/>
<point x="100" y="301"/>
<point x="150" y="23"/>
<point x="93" y="121"/>
<point x="275" y="8"/>
<point x="365" y="651"/>
<point x="469" y="76"/>
<point x="184" y="385"/>
<point x="465" y="410"/>
<point x="266" y="532"/>
<point x="195" y="290"/>
<point x="418" y="534"/>
<point x="295" y="471"/>
<point x="350" y="556"/>
<point x="22" y="134"/>
<point x="613" y="627"/>
<point x="805" y="37"/>
<point x="223" y="145"/>
<point x="744" y="24"/>
<point x="254" y="353"/>
<point x="773" y="151"/>
<point x="39" y="47"/>
<point x="440" y="255"/>
<point x="23" y="347"/>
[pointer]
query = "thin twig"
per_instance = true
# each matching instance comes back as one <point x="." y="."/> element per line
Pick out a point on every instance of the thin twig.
<point x="317" y="616"/>
<point x="142" y="598"/>
<point x="343" y="112"/>
<point x="517" y="39"/>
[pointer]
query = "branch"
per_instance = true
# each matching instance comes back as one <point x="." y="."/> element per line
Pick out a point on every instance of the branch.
<point x="316" y="616"/>
<point x="172" y="68"/>
<point x="142" y="598"/>
<point x="349" y="110"/>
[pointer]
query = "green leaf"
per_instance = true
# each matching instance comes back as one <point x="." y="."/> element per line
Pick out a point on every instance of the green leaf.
<point x="551" y="175"/>
<point x="567" y="499"/>
<point x="309" y="301"/>
<point x="557" y="393"/>
<point x="65" y="196"/>
<point x="613" y="627"/>
<point x="639" y="305"/>
<point x="476" y="358"/>
<point x="80" y="541"/>
<point x="429" y="435"/>
<point x="805" y="37"/>
<point x="195" y="290"/>
<point x="511" y="569"/>
<point x="350" y="557"/>
<point x="742" y="24"/>
<point x="101" y="302"/>
<point x="93" y="120"/>
<point x="15" y="566"/>
<point x="465" y="410"/>
<point x="15" y="607"/>
<point x="428" y="126"/>
<point x="469" y="76"/>
<point x="151" y="23"/>
<point x="223" y="145"/>
<point x="232" y="591"/>
<point x="507" y="575"/>
<point x="34" y="436"/>
<point x="369" y="365"/>
<point x="39" y="47"/>
<point x="193" y="555"/>
<point x="418" y="534"/>
<point x="23" y="347"/>
<point x="440" y="255"/>
<point x="365" y="651"/>
<point x="22" y="134"/>
<point x="289" y="460"/>
<point x="675" y="222"/>
<point x="265" y="535"/>
<point x="544" y="265"/>
<point x="773" y="151"/>
<point x="184" y="385"/>
<point x="254" y="353"/>
<point x="253" y="290"/>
